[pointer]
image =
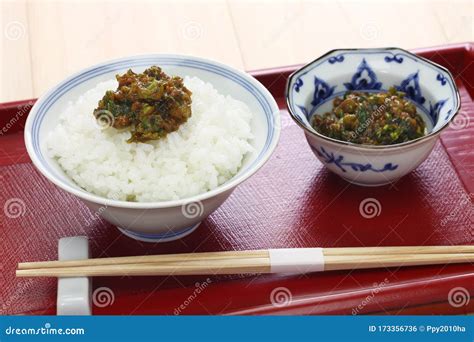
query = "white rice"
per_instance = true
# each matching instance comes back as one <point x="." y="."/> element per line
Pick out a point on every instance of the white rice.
<point x="205" y="152"/>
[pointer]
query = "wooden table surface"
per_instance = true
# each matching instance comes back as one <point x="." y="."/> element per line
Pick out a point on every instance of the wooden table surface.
<point x="44" y="41"/>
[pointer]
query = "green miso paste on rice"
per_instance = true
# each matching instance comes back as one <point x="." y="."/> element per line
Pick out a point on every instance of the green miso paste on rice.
<point x="203" y="153"/>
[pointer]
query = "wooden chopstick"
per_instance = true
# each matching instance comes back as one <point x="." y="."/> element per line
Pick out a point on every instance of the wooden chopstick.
<point x="194" y="267"/>
<point x="245" y="254"/>
<point x="163" y="258"/>
<point x="243" y="265"/>
<point x="399" y="250"/>
<point x="339" y="262"/>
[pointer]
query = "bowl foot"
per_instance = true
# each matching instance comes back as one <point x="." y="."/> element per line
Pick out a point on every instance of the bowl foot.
<point x="161" y="237"/>
<point x="368" y="184"/>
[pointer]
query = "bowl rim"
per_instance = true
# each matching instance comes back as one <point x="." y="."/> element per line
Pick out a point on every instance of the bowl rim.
<point x="366" y="146"/>
<point x="91" y="197"/>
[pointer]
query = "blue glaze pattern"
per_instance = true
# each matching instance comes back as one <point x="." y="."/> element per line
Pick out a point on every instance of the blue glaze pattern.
<point x="298" y="84"/>
<point x="394" y="58"/>
<point x="322" y="91"/>
<point x="411" y="87"/>
<point x="435" y="109"/>
<point x="407" y="73"/>
<point x="338" y="160"/>
<point x="305" y="111"/>
<point x="364" y="78"/>
<point x="441" y="78"/>
<point x="336" y="59"/>
<point x="448" y="114"/>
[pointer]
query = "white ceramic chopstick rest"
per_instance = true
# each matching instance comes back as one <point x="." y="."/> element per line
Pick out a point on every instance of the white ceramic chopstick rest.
<point x="74" y="294"/>
<point x="300" y="260"/>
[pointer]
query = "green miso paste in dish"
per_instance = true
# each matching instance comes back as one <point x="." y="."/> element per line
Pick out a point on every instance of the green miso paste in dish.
<point x="381" y="118"/>
<point x="152" y="104"/>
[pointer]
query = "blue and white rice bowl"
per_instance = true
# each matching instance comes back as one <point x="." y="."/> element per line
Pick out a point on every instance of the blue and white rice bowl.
<point x="311" y="89"/>
<point x="168" y="219"/>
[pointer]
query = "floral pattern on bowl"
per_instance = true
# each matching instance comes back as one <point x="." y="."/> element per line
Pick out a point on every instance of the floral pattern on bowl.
<point x="311" y="89"/>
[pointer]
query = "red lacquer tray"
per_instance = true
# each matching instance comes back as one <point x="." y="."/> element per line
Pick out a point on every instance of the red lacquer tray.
<point x="291" y="202"/>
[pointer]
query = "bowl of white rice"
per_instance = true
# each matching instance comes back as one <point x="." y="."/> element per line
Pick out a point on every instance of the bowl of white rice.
<point x="156" y="190"/>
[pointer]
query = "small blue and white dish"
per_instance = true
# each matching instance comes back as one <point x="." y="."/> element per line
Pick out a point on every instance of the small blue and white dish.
<point x="311" y="89"/>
